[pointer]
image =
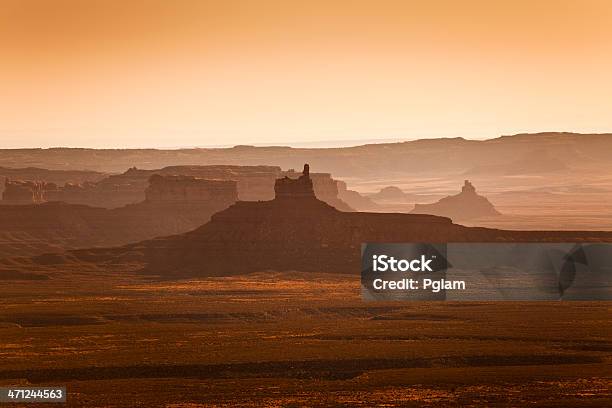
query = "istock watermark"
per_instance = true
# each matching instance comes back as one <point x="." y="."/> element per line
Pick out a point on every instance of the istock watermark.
<point x="486" y="271"/>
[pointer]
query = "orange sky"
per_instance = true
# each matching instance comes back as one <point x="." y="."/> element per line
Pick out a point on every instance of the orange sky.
<point x="106" y="73"/>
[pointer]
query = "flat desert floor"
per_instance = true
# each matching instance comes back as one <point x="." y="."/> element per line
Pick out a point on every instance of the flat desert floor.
<point x="119" y="339"/>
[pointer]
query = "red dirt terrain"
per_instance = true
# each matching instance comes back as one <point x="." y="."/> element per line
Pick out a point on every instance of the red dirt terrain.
<point x="119" y="339"/>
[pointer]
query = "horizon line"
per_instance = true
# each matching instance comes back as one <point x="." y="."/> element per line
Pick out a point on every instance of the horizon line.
<point x="320" y="144"/>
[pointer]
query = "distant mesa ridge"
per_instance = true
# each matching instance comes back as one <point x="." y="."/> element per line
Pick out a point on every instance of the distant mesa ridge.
<point x="549" y="152"/>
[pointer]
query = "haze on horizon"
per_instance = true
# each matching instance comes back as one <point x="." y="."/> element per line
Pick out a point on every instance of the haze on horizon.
<point x="128" y="73"/>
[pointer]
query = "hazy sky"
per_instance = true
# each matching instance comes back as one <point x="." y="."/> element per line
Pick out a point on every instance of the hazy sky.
<point x="193" y="72"/>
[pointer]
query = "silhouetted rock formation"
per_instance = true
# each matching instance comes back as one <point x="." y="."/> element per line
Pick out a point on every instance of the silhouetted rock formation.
<point x="253" y="183"/>
<point x="171" y="189"/>
<point x="295" y="188"/>
<point x="296" y="231"/>
<point x="463" y="206"/>
<point x="325" y="188"/>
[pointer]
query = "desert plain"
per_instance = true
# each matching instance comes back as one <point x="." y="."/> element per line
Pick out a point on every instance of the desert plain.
<point x="118" y="338"/>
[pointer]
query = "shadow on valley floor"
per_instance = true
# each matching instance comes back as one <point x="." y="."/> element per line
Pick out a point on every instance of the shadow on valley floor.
<point x="313" y="369"/>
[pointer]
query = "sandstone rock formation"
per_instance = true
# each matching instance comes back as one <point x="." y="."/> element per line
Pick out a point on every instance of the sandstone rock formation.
<point x="174" y="204"/>
<point x="324" y="187"/>
<point x="300" y="188"/>
<point x="294" y="231"/>
<point x="253" y="183"/>
<point x="172" y="189"/>
<point x="463" y="206"/>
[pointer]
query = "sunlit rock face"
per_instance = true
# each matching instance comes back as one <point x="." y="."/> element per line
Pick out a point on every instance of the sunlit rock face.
<point x="466" y="205"/>
<point x="23" y="192"/>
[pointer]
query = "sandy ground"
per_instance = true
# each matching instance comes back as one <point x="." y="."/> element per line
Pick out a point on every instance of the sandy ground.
<point x="117" y="339"/>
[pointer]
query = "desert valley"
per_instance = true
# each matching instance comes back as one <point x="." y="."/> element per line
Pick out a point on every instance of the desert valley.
<point x="222" y="277"/>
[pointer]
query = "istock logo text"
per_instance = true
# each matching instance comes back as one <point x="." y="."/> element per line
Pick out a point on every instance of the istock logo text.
<point x="383" y="263"/>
